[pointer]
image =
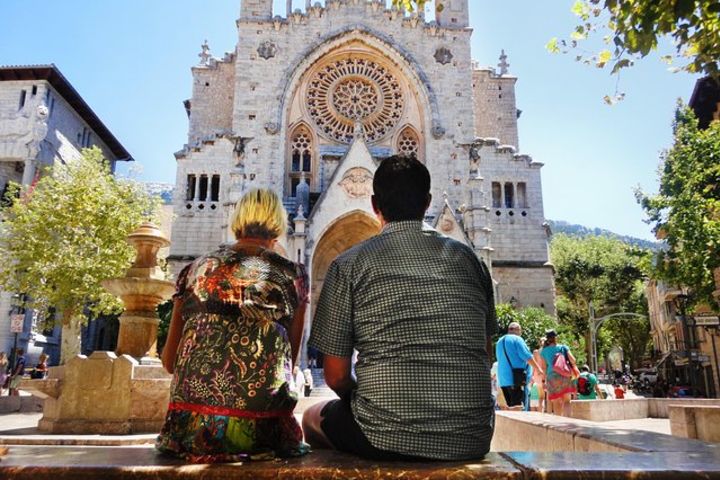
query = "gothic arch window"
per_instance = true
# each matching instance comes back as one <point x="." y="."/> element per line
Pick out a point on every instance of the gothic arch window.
<point x="408" y="143"/>
<point x="301" y="158"/>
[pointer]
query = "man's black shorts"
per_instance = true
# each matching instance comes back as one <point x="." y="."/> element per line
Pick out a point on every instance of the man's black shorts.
<point x="339" y="426"/>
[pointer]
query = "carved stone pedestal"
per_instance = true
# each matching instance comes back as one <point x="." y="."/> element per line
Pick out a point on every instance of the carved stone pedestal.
<point x="103" y="394"/>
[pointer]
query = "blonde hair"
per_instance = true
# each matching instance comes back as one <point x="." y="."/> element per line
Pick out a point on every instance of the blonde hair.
<point x="259" y="214"/>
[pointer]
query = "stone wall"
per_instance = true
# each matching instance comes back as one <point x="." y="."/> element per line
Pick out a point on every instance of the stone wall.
<point x="212" y="99"/>
<point x="529" y="286"/>
<point x="496" y="114"/>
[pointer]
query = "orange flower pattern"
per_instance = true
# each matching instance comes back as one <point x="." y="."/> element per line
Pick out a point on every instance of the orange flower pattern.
<point x="234" y="368"/>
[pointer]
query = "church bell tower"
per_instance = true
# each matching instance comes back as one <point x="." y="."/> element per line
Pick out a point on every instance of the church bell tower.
<point x="452" y="13"/>
<point x="256" y="9"/>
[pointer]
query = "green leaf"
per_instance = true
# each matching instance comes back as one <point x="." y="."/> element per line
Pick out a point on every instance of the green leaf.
<point x="552" y="45"/>
<point x="603" y="58"/>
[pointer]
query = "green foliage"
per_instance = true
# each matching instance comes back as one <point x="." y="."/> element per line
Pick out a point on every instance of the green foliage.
<point x="687" y="208"/>
<point x="60" y="239"/>
<point x="534" y="322"/>
<point x="609" y="274"/>
<point x="419" y="5"/>
<point x="164" y="311"/>
<point x="631" y="29"/>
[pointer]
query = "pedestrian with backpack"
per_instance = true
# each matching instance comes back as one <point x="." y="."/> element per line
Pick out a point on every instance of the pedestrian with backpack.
<point x="560" y="370"/>
<point x="587" y="385"/>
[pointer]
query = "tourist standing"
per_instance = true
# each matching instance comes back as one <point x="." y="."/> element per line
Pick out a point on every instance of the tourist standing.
<point x="234" y="336"/>
<point x="419" y="308"/>
<point x="588" y="387"/>
<point x="41" y="369"/>
<point x="17" y="373"/>
<point x="559" y="371"/>
<point x="514" y="358"/>
<point x="3" y="371"/>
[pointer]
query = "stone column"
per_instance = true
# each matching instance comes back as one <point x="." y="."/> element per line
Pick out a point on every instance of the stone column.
<point x="28" y="172"/>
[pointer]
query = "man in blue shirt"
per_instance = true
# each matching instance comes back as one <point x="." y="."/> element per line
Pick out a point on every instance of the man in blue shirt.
<point x="512" y="353"/>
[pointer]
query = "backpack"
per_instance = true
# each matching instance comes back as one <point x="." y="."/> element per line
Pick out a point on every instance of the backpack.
<point x="583" y="385"/>
<point x="561" y="364"/>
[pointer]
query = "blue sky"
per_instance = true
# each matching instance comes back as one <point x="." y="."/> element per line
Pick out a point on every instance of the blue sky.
<point x="131" y="62"/>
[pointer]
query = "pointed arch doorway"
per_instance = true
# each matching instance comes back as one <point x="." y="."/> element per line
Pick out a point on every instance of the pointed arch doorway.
<point x="342" y="234"/>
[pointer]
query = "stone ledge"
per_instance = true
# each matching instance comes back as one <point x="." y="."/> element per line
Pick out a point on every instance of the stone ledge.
<point x="539" y="432"/>
<point x="140" y="463"/>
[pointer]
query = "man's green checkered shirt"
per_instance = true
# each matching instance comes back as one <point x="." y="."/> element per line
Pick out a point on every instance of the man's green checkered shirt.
<point x="418" y="308"/>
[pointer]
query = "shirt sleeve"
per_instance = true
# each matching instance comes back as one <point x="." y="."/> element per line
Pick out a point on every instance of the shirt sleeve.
<point x="332" y="328"/>
<point x="522" y="350"/>
<point x="486" y="282"/>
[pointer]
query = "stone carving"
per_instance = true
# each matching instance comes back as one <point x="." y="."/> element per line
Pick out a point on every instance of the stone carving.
<point x="408" y="143"/>
<point x="443" y="55"/>
<point x="357" y="183"/>
<point x="272" y="128"/>
<point x="438" y="131"/>
<point x="205" y="53"/>
<point x="504" y="65"/>
<point x="350" y="90"/>
<point x="267" y="50"/>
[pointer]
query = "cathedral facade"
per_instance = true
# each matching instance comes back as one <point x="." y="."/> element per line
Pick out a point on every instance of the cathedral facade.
<point x="309" y="102"/>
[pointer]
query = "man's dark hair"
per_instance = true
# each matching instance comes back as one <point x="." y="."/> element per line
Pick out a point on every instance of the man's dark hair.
<point x="401" y="187"/>
<point x="20" y="351"/>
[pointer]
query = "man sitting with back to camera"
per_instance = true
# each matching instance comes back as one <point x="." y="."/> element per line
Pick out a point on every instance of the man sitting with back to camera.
<point x="419" y="309"/>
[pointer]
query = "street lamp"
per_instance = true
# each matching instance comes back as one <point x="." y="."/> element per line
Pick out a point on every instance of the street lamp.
<point x="681" y="302"/>
<point x="596" y="323"/>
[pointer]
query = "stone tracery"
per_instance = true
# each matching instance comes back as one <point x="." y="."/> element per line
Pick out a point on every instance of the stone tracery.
<point x="350" y="90"/>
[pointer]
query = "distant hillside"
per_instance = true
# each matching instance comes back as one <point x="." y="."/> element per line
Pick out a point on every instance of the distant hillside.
<point x="559" y="226"/>
<point x="162" y="190"/>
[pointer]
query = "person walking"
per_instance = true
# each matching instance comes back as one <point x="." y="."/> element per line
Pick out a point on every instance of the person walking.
<point x="234" y="337"/>
<point x="559" y="369"/>
<point x="538" y="379"/>
<point x="588" y="387"/>
<point x="17" y="373"/>
<point x="514" y="358"/>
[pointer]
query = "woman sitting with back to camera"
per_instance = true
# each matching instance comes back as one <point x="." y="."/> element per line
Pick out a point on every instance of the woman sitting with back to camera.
<point x="234" y="336"/>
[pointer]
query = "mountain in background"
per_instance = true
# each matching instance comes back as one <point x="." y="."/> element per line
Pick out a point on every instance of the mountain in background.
<point x="162" y="190"/>
<point x="559" y="226"/>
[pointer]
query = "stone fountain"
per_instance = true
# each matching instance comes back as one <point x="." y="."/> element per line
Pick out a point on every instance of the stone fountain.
<point x="125" y="391"/>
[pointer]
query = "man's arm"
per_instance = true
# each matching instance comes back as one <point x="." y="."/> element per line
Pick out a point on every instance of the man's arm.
<point x="338" y="375"/>
<point x="536" y="365"/>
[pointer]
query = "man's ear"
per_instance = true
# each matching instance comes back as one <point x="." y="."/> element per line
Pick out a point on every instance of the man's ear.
<point x="373" y="201"/>
<point x="428" y="202"/>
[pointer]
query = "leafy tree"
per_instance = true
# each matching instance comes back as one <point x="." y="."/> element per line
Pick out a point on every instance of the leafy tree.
<point x="633" y="29"/>
<point x="61" y="238"/>
<point x="164" y="311"/>
<point x="686" y="211"/>
<point x="609" y="274"/>
<point x="534" y="322"/>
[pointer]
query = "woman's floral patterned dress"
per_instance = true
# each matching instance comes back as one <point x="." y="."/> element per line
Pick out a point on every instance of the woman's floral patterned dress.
<point x="230" y="397"/>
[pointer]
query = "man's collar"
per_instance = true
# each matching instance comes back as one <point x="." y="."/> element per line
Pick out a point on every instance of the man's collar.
<point x="403" y="226"/>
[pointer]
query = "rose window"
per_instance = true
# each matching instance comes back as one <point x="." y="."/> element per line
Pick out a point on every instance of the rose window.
<point x="354" y="90"/>
<point x="355" y="98"/>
